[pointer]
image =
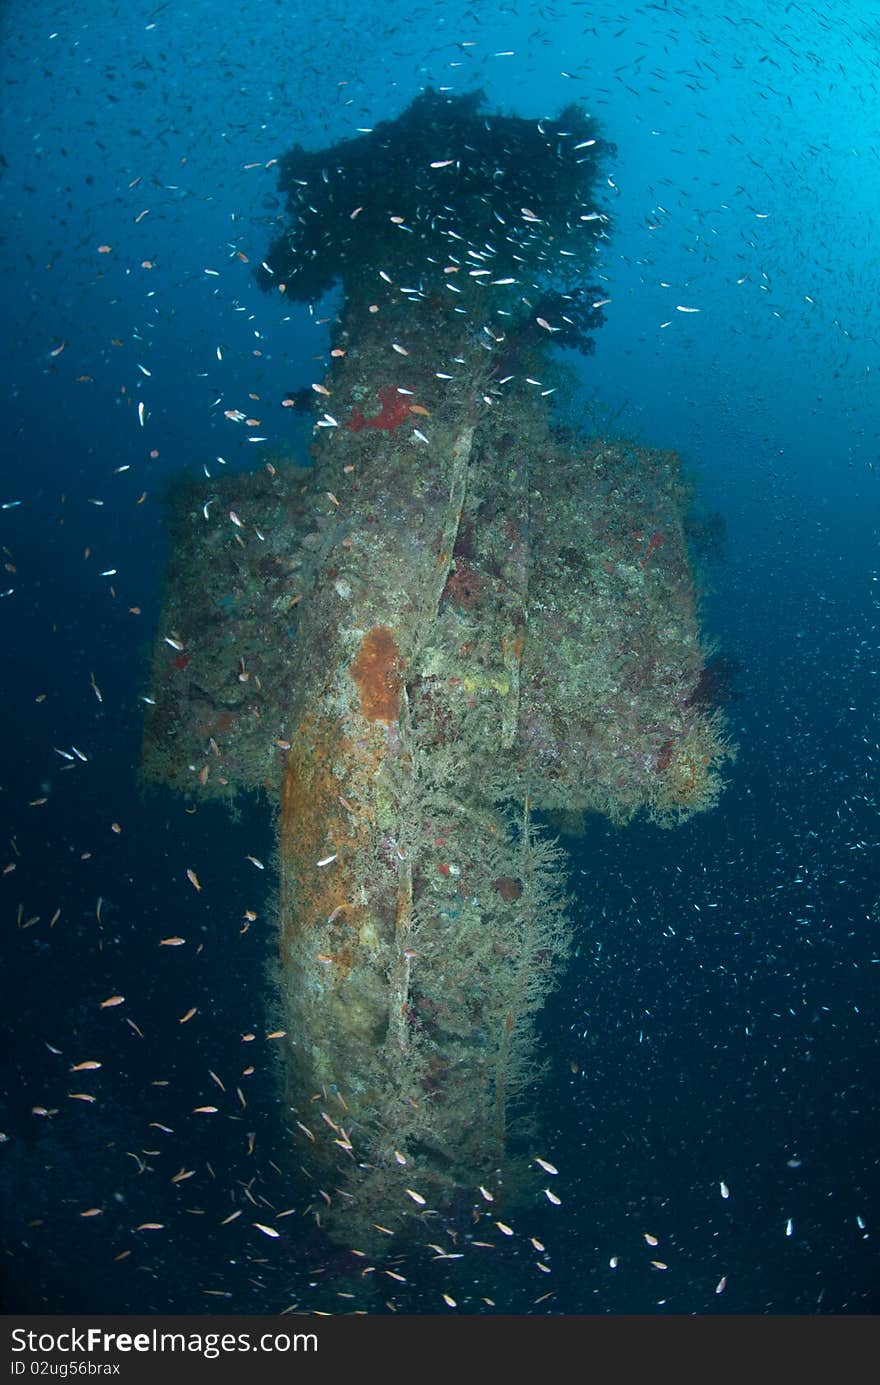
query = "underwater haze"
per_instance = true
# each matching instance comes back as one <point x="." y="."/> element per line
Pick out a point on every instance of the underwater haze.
<point x="709" y="1111"/>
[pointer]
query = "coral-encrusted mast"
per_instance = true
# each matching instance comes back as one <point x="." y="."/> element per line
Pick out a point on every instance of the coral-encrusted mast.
<point x="491" y="618"/>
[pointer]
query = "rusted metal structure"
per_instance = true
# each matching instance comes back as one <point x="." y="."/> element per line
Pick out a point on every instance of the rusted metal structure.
<point x="460" y="617"/>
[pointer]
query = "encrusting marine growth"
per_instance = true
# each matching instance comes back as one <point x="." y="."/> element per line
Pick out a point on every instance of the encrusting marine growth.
<point x="460" y="617"/>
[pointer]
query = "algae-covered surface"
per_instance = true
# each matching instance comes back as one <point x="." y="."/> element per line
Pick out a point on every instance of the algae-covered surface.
<point x="460" y="617"/>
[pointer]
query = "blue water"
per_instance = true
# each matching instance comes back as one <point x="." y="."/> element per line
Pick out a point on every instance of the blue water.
<point x="718" y="1024"/>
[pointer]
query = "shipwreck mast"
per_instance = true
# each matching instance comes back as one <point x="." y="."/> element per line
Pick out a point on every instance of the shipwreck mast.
<point x="460" y="615"/>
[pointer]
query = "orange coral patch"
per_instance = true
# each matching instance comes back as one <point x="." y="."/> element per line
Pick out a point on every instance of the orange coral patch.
<point x="377" y="672"/>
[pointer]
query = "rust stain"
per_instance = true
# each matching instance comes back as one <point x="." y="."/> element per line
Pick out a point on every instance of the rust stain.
<point x="377" y="672"/>
<point x="311" y="819"/>
<point x="326" y="769"/>
<point x="514" y="646"/>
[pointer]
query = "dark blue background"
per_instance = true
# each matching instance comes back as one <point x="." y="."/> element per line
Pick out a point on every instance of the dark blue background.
<point x="721" y="1010"/>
